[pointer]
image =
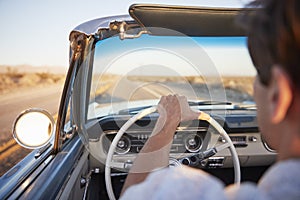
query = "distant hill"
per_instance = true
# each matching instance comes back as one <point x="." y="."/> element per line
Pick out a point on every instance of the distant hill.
<point x="14" y="78"/>
<point x="33" y="69"/>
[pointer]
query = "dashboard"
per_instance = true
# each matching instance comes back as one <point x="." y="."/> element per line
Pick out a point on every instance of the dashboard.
<point x="190" y="140"/>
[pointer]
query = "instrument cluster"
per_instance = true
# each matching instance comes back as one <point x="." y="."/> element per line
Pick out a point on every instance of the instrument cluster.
<point x="188" y="140"/>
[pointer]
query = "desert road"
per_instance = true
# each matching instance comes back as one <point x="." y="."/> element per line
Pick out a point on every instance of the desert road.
<point x="11" y="105"/>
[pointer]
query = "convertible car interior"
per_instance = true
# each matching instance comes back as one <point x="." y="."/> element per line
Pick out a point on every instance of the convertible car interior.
<point x="121" y="66"/>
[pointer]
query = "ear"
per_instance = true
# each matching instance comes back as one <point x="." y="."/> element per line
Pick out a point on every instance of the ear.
<point x="280" y="94"/>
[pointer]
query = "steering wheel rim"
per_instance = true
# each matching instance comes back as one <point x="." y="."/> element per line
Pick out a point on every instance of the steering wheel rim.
<point x="145" y="112"/>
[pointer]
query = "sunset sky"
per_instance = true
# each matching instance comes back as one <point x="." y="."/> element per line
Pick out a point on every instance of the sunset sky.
<point x="35" y="32"/>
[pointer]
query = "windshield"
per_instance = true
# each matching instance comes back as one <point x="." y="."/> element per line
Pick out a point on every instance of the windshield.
<point x="137" y="72"/>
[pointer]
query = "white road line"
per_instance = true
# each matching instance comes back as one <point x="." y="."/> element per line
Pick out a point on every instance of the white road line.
<point x="155" y="94"/>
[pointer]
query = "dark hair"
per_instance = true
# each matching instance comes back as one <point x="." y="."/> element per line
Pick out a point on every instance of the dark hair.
<point x="273" y="30"/>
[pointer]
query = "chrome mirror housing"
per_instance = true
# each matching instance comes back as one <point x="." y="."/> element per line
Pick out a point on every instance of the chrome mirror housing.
<point x="33" y="128"/>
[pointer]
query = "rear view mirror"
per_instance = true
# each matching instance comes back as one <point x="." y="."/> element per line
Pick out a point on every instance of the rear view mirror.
<point x="33" y="128"/>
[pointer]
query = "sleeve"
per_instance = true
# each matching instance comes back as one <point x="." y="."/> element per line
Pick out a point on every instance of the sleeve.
<point x="177" y="183"/>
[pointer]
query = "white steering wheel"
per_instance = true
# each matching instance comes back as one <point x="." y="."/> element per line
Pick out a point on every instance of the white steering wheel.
<point x="143" y="113"/>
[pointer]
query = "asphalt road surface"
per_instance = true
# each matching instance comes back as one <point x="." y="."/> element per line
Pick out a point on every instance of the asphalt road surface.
<point x="11" y="105"/>
<point x="126" y="90"/>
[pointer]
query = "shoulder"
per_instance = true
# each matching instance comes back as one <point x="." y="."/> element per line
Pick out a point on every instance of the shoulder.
<point x="177" y="183"/>
<point x="282" y="180"/>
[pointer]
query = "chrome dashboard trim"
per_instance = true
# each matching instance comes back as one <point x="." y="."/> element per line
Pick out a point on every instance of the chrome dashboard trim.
<point x="267" y="146"/>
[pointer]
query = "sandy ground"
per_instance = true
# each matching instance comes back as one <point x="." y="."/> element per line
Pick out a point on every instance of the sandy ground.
<point x="14" y="79"/>
<point x="238" y="89"/>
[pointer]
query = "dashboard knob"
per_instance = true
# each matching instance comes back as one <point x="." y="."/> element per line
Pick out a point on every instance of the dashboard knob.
<point x="193" y="142"/>
<point x="123" y="145"/>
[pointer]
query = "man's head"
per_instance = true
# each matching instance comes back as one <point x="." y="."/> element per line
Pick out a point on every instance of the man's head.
<point x="274" y="46"/>
<point x="274" y="38"/>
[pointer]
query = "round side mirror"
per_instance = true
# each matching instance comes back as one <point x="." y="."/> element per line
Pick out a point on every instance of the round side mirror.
<point x="33" y="128"/>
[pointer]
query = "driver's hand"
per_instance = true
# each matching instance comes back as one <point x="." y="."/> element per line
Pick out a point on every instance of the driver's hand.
<point x="175" y="107"/>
